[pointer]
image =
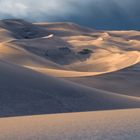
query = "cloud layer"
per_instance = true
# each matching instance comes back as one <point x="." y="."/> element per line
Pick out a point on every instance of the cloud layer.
<point x="102" y="14"/>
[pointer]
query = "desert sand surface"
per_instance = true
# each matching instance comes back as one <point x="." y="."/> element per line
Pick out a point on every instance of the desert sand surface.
<point x="124" y="81"/>
<point x="51" y="68"/>
<point x="76" y="55"/>
<point x="25" y="92"/>
<point x="102" y="125"/>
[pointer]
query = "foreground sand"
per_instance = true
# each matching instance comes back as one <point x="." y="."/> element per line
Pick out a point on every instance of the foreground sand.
<point x="102" y="125"/>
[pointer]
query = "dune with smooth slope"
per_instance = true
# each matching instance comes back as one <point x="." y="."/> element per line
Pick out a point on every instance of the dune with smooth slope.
<point x="25" y="92"/>
<point x="88" y="54"/>
<point x="124" y="81"/>
<point x="53" y="68"/>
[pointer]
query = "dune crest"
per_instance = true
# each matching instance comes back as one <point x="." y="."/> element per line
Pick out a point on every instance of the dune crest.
<point x="46" y="49"/>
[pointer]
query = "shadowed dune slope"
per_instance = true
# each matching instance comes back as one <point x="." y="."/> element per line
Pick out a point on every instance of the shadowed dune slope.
<point x="14" y="54"/>
<point x="125" y="81"/>
<point x="25" y="92"/>
<point x="21" y="29"/>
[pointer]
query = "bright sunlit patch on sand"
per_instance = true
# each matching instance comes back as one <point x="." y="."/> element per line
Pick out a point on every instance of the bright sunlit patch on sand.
<point x="49" y="36"/>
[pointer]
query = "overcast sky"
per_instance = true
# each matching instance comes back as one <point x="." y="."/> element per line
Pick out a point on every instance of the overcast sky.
<point x="100" y="14"/>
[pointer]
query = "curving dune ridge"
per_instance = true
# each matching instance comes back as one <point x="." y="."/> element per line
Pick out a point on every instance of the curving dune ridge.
<point x="64" y="56"/>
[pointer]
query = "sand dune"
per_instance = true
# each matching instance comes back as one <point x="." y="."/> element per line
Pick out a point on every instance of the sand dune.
<point x="48" y="68"/>
<point x="65" y="26"/>
<point x="99" y="66"/>
<point x="20" y="56"/>
<point x="33" y="61"/>
<point x="125" y="81"/>
<point x="69" y="60"/>
<point x="104" y="125"/>
<point x="22" y="29"/>
<point x="104" y="61"/>
<point x="25" y="92"/>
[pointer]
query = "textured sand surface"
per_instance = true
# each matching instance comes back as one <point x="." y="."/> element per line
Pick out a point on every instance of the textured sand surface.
<point x="102" y="125"/>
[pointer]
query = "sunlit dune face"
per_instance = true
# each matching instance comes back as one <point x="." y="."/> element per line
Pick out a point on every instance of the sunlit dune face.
<point x="85" y="52"/>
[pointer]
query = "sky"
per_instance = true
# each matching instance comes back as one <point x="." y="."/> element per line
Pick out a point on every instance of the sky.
<point x="98" y="14"/>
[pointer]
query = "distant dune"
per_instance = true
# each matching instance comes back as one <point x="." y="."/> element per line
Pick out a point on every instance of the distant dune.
<point x="105" y="53"/>
<point x="48" y="68"/>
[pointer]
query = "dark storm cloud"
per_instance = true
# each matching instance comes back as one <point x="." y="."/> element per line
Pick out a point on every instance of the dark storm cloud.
<point x="101" y="14"/>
